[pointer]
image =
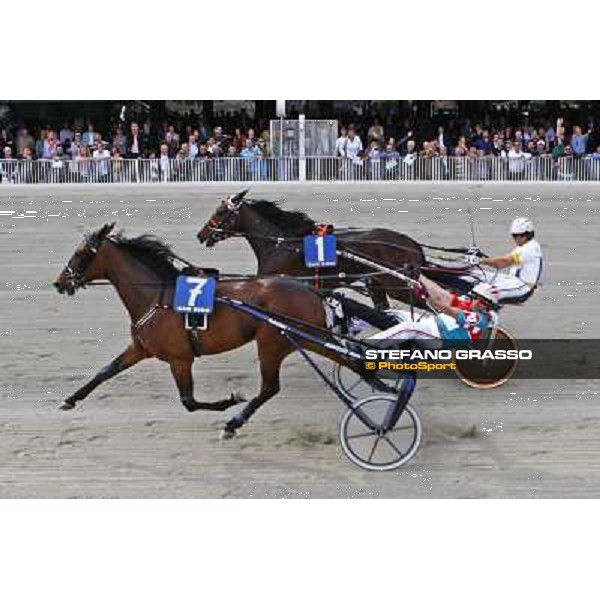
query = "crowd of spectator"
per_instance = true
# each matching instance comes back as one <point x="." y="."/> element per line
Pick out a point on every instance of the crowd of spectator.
<point x="73" y="155"/>
<point x="133" y="141"/>
<point x="470" y="152"/>
<point x="384" y="147"/>
<point x="558" y="139"/>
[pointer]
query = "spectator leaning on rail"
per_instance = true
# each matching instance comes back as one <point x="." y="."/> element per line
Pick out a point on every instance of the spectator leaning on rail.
<point x="391" y="158"/>
<point x="340" y="143"/>
<point x="353" y="147"/>
<point x="8" y="167"/>
<point x="82" y="168"/>
<point x="411" y="153"/>
<point x="76" y="145"/>
<point x="119" y="140"/>
<point x="516" y="161"/>
<point x="250" y="154"/>
<point x="135" y="150"/>
<point x="101" y="158"/>
<point x="117" y="165"/>
<point x="26" y="172"/>
<point x="59" y="166"/>
<point x="164" y="163"/>
<point x="578" y="142"/>
<point x="135" y="143"/>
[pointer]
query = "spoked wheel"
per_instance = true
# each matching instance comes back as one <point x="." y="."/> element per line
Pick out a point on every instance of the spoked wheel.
<point x="373" y="446"/>
<point x="489" y="374"/>
<point x="353" y="386"/>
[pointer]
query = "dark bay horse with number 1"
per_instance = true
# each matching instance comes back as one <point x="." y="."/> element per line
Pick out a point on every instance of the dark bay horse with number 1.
<point x="143" y="272"/>
<point x="275" y="236"/>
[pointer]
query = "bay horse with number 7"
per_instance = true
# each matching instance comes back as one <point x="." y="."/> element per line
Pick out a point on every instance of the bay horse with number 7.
<point x="143" y="272"/>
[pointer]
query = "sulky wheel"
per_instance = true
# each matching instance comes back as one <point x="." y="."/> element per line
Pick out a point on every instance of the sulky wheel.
<point x="489" y="374"/>
<point x="353" y="386"/>
<point x="369" y="444"/>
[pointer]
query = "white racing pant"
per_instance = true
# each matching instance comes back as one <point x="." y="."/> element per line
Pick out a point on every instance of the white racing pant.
<point x="426" y="328"/>
<point x="508" y="286"/>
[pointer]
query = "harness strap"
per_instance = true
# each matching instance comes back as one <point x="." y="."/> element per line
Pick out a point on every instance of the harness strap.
<point x="146" y="316"/>
<point x="195" y="341"/>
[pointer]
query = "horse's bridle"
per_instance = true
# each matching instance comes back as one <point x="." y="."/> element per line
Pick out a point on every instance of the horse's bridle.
<point x="218" y="231"/>
<point x="75" y="276"/>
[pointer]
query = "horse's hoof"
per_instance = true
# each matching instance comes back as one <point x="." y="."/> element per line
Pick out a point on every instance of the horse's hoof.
<point x="238" y="398"/>
<point x="227" y="434"/>
<point x="67" y="406"/>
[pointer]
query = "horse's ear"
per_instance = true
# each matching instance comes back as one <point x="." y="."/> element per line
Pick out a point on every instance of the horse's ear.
<point x="240" y="196"/>
<point x="105" y="230"/>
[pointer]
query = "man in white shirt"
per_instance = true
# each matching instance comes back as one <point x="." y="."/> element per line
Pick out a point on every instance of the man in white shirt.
<point x="193" y="147"/>
<point x="164" y="163"/>
<point x="75" y="145"/>
<point x="101" y="158"/>
<point x="516" y="161"/>
<point x="525" y="264"/>
<point x="354" y="145"/>
<point x="411" y="153"/>
<point x="340" y="143"/>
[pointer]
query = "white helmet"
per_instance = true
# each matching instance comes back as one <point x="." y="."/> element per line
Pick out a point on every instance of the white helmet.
<point x="487" y="292"/>
<point x="521" y="225"/>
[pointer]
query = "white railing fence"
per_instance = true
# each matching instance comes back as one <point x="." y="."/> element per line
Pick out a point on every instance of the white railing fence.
<point x="319" y="169"/>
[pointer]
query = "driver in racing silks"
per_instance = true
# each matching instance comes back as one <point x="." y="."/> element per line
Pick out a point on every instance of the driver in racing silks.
<point x="524" y="264"/>
<point x="460" y="318"/>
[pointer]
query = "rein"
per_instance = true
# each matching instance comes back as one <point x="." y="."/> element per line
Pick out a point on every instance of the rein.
<point x="248" y="276"/>
<point x="298" y="240"/>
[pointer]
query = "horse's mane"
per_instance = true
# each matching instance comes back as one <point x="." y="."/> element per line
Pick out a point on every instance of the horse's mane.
<point x="289" y="221"/>
<point x="152" y="252"/>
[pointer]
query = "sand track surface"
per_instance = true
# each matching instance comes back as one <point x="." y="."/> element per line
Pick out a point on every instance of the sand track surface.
<point x="132" y="438"/>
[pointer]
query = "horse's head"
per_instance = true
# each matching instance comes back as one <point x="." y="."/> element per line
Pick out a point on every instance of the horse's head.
<point x="224" y="222"/>
<point x="83" y="266"/>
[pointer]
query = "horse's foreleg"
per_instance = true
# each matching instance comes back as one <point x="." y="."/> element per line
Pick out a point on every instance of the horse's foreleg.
<point x="270" y="366"/>
<point x="132" y="355"/>
<point x="182" y="373"/>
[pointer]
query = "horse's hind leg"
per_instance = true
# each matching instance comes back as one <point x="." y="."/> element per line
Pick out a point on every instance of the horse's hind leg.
<point x="271" y="354"/>
<point x="182" y="373"/>
<point x="132" y="355"/>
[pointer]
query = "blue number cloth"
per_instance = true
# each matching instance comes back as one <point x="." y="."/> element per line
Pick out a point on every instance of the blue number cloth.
<point x="320" y="251"/>
<point x="194" y="294"/>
